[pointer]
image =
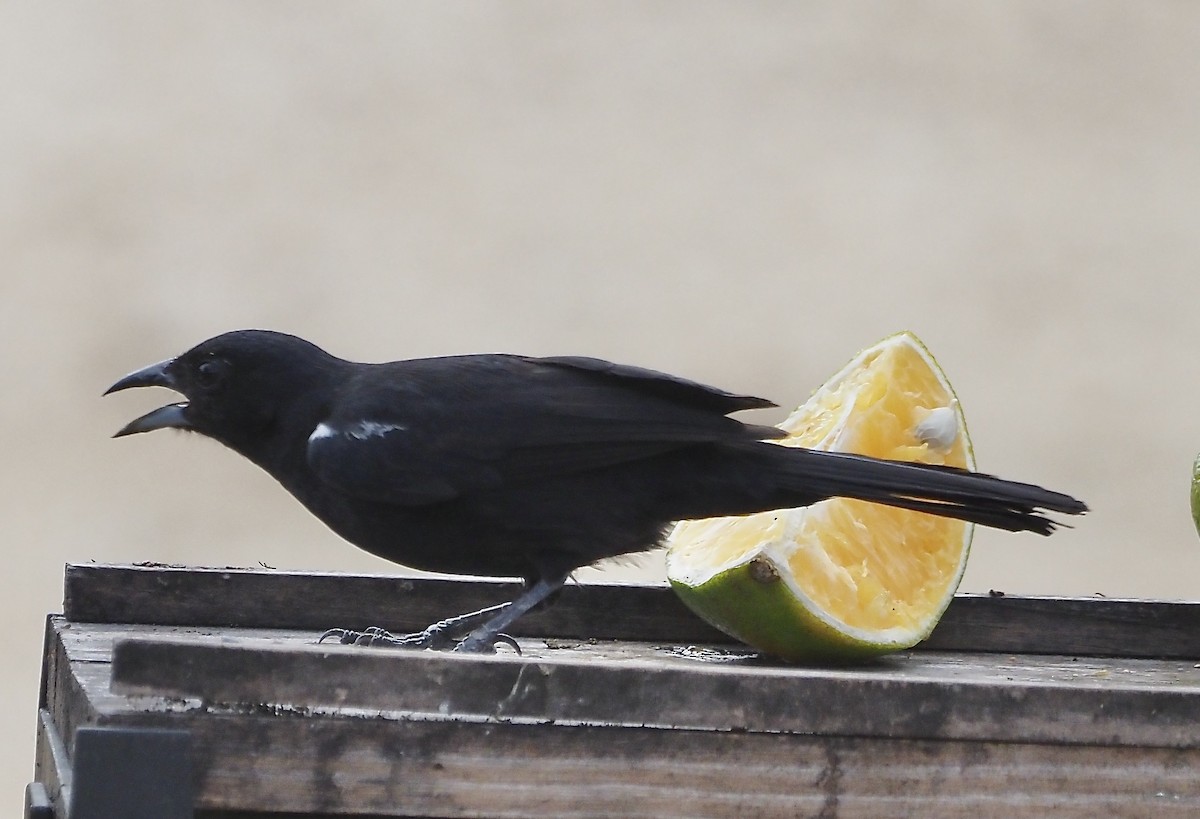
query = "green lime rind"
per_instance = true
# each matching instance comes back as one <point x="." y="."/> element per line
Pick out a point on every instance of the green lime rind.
<point x="1196" y="493"/>
<point x="752" y="604"/>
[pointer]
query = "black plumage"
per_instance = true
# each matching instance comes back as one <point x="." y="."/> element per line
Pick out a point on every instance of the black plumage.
<point x="530" y="467"/>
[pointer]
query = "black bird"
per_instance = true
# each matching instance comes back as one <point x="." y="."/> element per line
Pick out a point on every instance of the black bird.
<point x="528" y="467"/>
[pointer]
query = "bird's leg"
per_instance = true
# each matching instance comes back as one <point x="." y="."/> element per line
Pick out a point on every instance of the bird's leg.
<point x="483" y="639"/>
<point x="442" y="634"/>
<point x="476" y="632"/>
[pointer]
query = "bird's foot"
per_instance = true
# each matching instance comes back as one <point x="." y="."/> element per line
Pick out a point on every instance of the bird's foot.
<point x="438" y="637"/>
<point x="477" y="643"/>
<point x="432" y="637"/>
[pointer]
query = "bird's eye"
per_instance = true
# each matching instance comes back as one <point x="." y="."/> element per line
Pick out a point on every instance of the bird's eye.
<point x="211" y="372"/>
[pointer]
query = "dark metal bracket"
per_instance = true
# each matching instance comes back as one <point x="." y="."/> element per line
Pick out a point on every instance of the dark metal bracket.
<point x="133" y="773"/>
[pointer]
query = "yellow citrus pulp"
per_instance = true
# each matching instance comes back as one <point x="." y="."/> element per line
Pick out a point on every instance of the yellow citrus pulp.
<point x="841" y="579"/>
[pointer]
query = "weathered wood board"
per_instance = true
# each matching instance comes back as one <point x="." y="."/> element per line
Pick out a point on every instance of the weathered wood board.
<point x="586" y="725"/>
<point x="264" y="598"/>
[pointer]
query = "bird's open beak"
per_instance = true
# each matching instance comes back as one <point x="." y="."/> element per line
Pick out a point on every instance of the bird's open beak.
<point x="169" y="417"/>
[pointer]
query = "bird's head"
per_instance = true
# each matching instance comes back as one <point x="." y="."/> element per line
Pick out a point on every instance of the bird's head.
<point x="238" y="385"/>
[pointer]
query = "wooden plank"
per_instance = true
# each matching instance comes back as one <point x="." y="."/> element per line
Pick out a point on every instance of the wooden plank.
<point x="296" y="760"/>
<point x="908" y="700"/>
<point x="508" y="770"/>
<point x="1093" y="626"/>
<point x="264" y="598"/>
<point x="254" y="598"/>
<point x="52" y="768"/>
<point x="68" y="705"/>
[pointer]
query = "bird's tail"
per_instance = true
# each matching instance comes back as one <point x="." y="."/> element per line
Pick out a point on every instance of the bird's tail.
<point x="937" y="490"/>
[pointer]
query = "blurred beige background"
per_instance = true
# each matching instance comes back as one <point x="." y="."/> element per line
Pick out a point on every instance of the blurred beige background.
<point x="744" y="194"/>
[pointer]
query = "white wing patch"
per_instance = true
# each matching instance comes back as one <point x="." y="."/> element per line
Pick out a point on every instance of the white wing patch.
<point x="323" y="430"/>
<point x="360" y="430"/>
<point x="371" y="429"/>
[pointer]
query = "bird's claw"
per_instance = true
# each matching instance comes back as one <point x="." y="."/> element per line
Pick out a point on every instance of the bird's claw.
<point x="436" y="637"/>
<point x="342" y="635"/>
<point x="486" y="644"/>
<point x="509" y="641"/>
<point x="347" y="636"/>
<point x="377" y="636"/>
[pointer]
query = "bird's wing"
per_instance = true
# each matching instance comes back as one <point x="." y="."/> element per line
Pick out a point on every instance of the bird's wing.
<point x="651" y="382"/>
<point x="419" y="432"/>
